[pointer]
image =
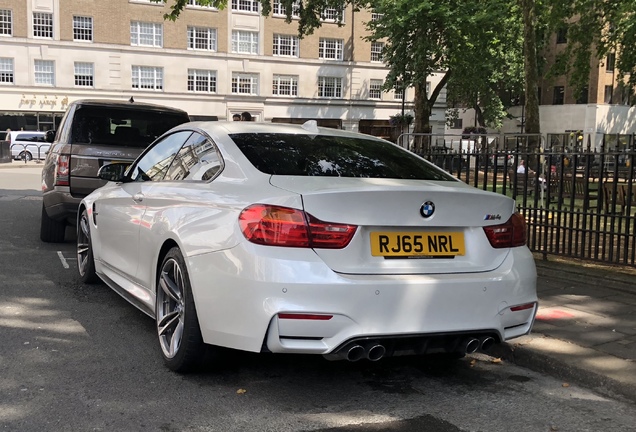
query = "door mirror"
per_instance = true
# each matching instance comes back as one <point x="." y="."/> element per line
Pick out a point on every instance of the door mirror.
<point x="49" y="136"/>
<point x="114" y="172"/>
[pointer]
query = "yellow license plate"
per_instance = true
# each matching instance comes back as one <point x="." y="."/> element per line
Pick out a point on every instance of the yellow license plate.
<point x="408" y="244"/>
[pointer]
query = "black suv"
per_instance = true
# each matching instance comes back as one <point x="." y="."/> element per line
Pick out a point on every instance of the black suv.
<point x="91" y="134"/>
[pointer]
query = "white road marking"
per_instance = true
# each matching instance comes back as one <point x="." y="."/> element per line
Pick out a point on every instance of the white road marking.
<point x="64" y="263"/>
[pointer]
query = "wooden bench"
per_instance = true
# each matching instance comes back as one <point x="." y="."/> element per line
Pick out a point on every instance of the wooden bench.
<point x="576" y="186"/>
<point x="523" y="182"/>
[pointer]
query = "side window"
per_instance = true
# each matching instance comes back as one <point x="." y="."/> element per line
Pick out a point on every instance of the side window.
<point x="155" y="162"/>
<point x="198" y="160"/>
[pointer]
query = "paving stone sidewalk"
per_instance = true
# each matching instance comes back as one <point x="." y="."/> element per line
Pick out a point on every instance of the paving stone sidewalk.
<point x="585" y="331"/>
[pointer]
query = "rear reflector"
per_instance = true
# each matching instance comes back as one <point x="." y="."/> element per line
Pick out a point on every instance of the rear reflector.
<point x="298" y="316"/>
<point x="510" y="234"/>
<point x="522" y="307"/>
<point x="283" y="226"/>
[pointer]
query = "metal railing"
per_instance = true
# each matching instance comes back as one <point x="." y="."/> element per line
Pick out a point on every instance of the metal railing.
<point x="579" y="203"/>
<point x="30" y="151"/>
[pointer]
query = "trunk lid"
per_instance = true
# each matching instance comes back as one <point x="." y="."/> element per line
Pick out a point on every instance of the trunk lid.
<point x="388" y="213"/>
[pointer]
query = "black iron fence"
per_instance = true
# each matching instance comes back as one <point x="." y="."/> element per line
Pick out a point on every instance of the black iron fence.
<point x="579" y="201"/>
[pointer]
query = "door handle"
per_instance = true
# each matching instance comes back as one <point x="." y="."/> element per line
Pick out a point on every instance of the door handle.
<point x="138" y="197"/>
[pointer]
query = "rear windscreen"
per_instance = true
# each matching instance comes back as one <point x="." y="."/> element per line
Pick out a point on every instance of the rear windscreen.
<point x="333" y="156"/>
<point x="121" y="127"/>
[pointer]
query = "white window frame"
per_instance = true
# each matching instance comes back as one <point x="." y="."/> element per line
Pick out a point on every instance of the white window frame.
<point x="376" y="52"/>
<point x="44" y="72"/>
<point x="84" y="74"/>
<point x="241" y="80"/>
<point x="142" y="32"/>
<point x="397" y="94"/>
<point x="7" y="71"/>
<point x="200" y="78"/>
<point x="250" y="6"/>
<point x="285" y="85"/>
<point x="326" y="83"/>
<point x="335" y="15"/>
<point x="202" y="38"/>
<point x="147" y="78"/>
<point x="82" y="28"/>
<point x="6" y="22"/>
<point x="285" y="45"/>
<point x="196" y="5"/>
<point x="245" y="42"/>
<point x="375" y="89"/>
<point x="331" y="47"/>
<point x="42" y="25"/>
<point x="376" y="16"/>
<point x="279" y="11"/>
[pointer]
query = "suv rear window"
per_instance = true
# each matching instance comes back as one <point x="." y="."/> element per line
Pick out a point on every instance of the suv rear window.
<point x="121" y="127"/>
<point x="333" y="156"/>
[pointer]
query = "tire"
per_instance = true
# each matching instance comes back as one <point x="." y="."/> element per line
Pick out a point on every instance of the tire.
<point x="26" y="156"/>
<point x="85" y="259"/>
<point x="51" y="231"/>
<point x="180" y="339"/>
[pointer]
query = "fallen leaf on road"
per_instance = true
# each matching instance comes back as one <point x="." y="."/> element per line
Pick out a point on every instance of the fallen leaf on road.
<point x="472" y="362"/>
<point x="241" y="391"/>
<point x="566" y="385"/>
<point x="554" y="428"/>
<point x="497" y="360"/>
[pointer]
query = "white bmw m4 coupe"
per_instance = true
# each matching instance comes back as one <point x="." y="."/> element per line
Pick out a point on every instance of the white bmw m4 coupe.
<point x="297" y="239"/>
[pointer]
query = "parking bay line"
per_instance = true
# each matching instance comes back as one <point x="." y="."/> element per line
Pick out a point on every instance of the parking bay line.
<point x="62" y="259"/>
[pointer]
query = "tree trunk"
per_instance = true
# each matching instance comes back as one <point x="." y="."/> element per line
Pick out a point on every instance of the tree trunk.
<point x="423" y="109"/>
<point x="531" y="73"/>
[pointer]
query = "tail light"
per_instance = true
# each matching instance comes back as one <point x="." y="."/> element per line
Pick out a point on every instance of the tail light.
<point x="283" y="226"/>
<point x="62" y="170"/>
<point x="510" y="234"/>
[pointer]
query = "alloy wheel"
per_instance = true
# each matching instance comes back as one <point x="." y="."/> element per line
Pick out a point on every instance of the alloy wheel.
<point x="170" y="308"/>
<point x="83" y="245"/>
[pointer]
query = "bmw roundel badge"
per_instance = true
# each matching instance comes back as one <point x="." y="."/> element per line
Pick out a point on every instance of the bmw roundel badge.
<point x="427" y="209"/>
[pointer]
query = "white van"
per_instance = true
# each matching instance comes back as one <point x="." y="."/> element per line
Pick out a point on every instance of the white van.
<point x="28" y="145"/>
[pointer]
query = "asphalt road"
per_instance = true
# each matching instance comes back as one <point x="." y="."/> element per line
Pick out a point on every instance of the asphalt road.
<point x="75" y="357"/>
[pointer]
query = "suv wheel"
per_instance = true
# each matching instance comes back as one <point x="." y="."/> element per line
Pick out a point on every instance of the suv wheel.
<point x="51" y="231"/>
<point x="26" y="156"/>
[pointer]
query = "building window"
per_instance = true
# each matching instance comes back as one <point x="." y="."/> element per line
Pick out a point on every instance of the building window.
<point x="558" y="95"/>
<point x="398" y="93"/>
<point x="376" y="16"/>
<point x="285" y="46"/>
<point x="583" y="96"/>
<point x="332" y="15"/>
<point x="375" y="89"/>
<point x="244" y="42"/>
<point x="202" y="38"/>
<point x="6" y="71"/>
<point x="6" y="22"/>
<point x="610" y="63"/>
<point x="84" y="74"/>
<point x="329" y="87"/>
<point x="330" y="49"/>
<point x="202" y="81"/>
<point x="376" y="51"/>
<point x="146" y="34"/>
<point x="245" y="5"/>
<point x="562" y="35"/>
<point x="279" y="10"/>
<point x="197" y="4"/>
<point x="147" y="78"/>
<point x="609" y="92"/>
<point x="82" y="28"/>
<point x="458" y="123"/>
<point x="42" y="25"/>
<point x="285" y="85"/>
<point x="244" y="83"/>
<point x="45" y="72"/>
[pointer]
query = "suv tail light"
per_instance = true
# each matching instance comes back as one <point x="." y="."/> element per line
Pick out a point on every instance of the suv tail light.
<point x="283" y="226"/>
<point x="62" y="168"/>
<point x="510" y="234"/>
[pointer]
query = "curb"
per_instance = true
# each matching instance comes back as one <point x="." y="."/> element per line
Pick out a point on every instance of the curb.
<point x="608" y="375"/>
<point x="14" y="165"/>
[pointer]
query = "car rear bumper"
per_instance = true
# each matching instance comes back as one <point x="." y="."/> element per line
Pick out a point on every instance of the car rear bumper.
<point x="240" y="294"/>
<point x="60" y="204"/>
